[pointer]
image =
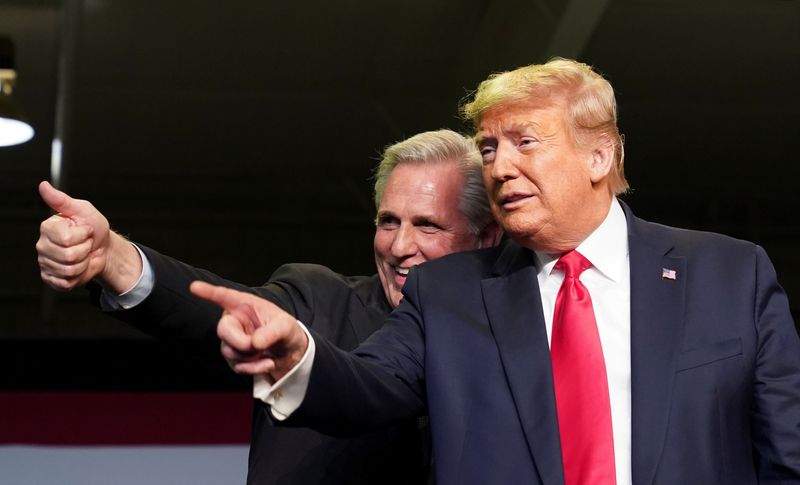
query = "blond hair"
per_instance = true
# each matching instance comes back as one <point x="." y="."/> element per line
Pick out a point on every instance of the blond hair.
<point x="592" y="108"/>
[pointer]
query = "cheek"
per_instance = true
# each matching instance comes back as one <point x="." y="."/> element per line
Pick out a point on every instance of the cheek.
<point x="437" y="246"/>
<point x="382" y="245"/>
<point x="497" y="211"/>
<point x="565" y="192"/>
<point x="489" y="182"/>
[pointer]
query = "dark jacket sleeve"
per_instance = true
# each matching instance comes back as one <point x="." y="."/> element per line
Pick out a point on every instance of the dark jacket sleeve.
<point x="171" y="313"/>
<point x="776" y="399"/>
<point x="380" y="383"/>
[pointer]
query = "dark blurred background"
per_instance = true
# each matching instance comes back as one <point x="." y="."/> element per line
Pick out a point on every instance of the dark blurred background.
<point x="241" y="135"/>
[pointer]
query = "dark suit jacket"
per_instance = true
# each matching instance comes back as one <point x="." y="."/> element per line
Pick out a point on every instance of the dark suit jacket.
<point x="345" y="310"/>
<point x="715" y="366"/>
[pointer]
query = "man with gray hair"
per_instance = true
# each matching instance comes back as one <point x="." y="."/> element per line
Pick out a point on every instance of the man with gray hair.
<point x="590" y="348"/>
<point x="430" y="202"/>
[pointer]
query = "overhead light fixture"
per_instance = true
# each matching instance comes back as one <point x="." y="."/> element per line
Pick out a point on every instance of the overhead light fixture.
<point x="14" y="129"/>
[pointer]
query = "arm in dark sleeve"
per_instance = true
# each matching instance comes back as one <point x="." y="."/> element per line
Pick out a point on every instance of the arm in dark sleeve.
<point x="312" y="293"/>
<point x="776" y="400"/>
<point x="171" y="313"/>
<point x="378" y="384"/>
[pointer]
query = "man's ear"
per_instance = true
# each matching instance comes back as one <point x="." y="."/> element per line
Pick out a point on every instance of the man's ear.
<point x="602" y="159"/>
<point x="490" y="235"/>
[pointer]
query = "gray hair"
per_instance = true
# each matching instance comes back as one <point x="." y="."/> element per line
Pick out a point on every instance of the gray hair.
<point x="442" y="146"/>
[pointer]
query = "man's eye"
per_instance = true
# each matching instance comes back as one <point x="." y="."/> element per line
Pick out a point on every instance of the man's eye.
<point x="428" y="227"/>
<point x="387" y="222"/>
<point x="487" y="153"/>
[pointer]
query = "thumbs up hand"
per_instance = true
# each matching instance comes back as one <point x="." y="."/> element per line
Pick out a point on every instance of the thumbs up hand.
<point x="76" y="245"/>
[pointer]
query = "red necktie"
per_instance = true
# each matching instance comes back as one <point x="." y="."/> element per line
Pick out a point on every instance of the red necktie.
<point x="579" y="374"/>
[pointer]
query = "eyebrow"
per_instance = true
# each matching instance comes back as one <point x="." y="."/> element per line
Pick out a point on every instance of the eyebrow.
<point x="416" y="218"/>
<point x="514" y="128"/>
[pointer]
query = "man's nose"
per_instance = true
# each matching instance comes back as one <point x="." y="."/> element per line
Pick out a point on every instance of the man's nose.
<point x="404" y="243"/>
<point x="504" y="166"/>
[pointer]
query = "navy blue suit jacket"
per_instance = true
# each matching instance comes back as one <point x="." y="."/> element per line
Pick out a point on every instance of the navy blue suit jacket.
<point x="715" y="366"/>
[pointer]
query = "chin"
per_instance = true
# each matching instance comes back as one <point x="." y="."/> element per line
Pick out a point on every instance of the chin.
<point x="524" y="237"/>
<point x="394" y="297"/>
<point x="522" y="224"/>
<point x="513" y="230"/>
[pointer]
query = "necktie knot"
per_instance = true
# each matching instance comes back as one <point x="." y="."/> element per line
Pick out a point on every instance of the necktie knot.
<point x="573" y="264"/>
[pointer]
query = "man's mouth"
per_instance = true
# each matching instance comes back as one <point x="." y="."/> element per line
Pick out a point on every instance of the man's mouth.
<point x="513" y="200"/>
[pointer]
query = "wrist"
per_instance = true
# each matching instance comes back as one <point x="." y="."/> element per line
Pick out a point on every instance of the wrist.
<point x="292" y="359"/>
<point x="123" y="265"/>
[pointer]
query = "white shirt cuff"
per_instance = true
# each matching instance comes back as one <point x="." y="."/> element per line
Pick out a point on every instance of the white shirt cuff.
<point x="110" y="301"/>
<point x="286" y="395"/>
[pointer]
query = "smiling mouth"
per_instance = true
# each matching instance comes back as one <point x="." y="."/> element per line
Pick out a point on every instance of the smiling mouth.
<point x="401" y="271"/>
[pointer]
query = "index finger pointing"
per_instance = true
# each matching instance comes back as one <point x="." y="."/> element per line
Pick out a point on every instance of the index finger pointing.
<point x="224" y="297"/>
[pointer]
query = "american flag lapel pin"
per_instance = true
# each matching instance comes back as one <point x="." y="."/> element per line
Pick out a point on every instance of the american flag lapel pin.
<point x="668" y="274"/>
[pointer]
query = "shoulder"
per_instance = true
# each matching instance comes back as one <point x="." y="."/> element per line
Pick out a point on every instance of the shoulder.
<point x="298" y="285"/>
<point x="714" y="257"/>
<point x="476" y="263"/>
<point x="316" y="276"/>
<point x="690" y="242"/>
<point x="465" y="271"/>
<point x="678" y="240"/>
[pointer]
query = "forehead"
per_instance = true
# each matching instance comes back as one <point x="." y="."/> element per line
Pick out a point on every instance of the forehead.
<point x="428" y="186"/>
<point x="537" y="113"/>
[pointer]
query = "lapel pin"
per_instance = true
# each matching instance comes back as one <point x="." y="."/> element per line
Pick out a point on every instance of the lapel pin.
<point x="668" y="274"/>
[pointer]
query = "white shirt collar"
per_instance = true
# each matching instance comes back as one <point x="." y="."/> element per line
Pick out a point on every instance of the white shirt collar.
<point x="606" y="247"/>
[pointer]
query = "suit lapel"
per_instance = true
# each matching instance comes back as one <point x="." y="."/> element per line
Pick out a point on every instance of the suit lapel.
<point x="515" y="316"/>
<point x="657" y="315"/>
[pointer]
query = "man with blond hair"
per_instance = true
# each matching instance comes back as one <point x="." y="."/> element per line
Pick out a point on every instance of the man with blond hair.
<point x="430" y="202"/>
<point x="591" y="348"/>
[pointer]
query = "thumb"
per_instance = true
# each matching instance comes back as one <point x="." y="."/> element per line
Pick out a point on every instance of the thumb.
<point x="58" y="201"/>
